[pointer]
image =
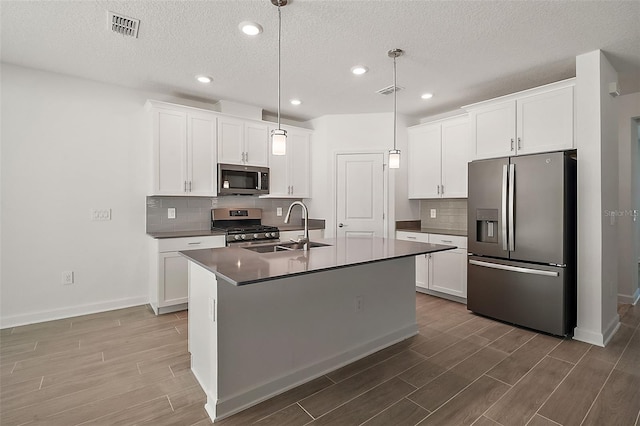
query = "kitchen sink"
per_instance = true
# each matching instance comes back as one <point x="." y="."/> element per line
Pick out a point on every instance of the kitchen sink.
<point x="290" y="246"/>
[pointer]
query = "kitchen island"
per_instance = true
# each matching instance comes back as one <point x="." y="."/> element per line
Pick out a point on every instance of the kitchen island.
<point x="262" y="323"/>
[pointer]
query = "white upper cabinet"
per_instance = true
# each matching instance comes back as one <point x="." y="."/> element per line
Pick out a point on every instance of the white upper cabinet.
<point x="201" y="154"/>
<point x="242" y="142"/>
<point x="455" y="157"/>
<point x="537" y="120"/>
<point x="184" y="150"/>
<point x="545" y="122"/>
<point x="438" y="159"/>
<point x="424" y="161"/>
<point x="256" y="144"/>
<point x="493" y="128"/>
<point x="289" y="173"/>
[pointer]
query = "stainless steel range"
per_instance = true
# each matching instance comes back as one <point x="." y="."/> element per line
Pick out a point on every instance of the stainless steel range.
<point x="243" y="225"/>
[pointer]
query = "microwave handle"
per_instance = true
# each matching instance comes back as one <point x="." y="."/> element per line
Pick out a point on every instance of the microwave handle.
<point x="259" y="181"/>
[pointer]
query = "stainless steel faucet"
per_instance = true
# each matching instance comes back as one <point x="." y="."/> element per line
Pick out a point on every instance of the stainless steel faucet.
<point x="305" y="215"/>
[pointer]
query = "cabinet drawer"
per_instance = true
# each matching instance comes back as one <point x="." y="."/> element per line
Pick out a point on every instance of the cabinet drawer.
<point x="190" y="243"/>
<point x="460" y="242"/>
<point x="412" y="236"/>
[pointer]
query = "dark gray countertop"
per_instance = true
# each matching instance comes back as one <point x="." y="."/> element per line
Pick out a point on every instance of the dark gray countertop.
<point x="183" y="234"/>
<point x="240" y="266"/>
<point x="313" y="224"/>
<point x="436" y="231"/>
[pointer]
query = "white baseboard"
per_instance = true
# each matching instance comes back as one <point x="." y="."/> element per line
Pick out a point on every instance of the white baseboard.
<point x="73" y="311"/>
<point x="629" y="300"/>
<point x="236" y="403"/>
<point x="595" y="338"/>
<point x="451" y="297"/>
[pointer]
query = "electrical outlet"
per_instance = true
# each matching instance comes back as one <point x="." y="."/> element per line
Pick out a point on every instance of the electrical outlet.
<point x="67" y="277"/>
<point x="358" y="304"/>
<point x="171" y="213"/>
<point x="433" y="213"/>
<point x="278" y="211"/>
<point x="100" y="214"/>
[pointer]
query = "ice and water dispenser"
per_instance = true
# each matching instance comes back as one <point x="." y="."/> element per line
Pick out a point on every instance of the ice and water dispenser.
<point x="487" y="225"/>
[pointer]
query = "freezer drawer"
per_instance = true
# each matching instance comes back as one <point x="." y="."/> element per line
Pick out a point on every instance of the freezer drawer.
<point x="530" y="295"/>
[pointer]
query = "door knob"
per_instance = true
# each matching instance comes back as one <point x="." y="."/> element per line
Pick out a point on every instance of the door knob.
<point x="340" y="225"/>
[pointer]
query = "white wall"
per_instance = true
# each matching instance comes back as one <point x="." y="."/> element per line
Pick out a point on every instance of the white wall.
<point x="70" y="145"/>
<point x="628" y="111"/>
<point x="597" y="143"/>
<point x="357" y="133"/>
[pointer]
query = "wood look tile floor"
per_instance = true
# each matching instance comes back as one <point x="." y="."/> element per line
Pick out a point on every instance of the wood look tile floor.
<point x="129" y="367"/>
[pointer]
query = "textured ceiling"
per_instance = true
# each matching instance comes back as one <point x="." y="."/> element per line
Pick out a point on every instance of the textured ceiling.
<point x="461" y="51"/>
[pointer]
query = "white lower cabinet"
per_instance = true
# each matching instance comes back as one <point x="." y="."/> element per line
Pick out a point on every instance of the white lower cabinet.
<point x="442" y="272"/>
<point x="169" y="278"/>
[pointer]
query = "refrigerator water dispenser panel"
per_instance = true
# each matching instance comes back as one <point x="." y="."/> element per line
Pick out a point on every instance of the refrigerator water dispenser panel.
<point x="487" y="225"/>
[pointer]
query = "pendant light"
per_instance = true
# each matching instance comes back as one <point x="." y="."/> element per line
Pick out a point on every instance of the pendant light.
<point x="394" y="154"/>
<point x="279" y="136"/>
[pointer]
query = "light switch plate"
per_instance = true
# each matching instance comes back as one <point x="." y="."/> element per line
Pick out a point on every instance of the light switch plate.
<point x="171" y="213"/>
<point x="433" y="213"/>
<point x="278" y="211"/>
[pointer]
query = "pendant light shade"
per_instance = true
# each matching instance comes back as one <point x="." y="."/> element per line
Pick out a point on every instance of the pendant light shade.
<point x="279" y="136"/>
<point x="394" y="158"/>
<point x="278" y="142"/>
<point x="394" y="154"/>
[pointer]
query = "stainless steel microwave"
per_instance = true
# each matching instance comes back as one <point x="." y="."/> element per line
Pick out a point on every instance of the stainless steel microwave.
<point x="234" y="179"/>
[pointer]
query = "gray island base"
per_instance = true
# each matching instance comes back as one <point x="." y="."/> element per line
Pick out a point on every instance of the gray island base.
<point x="311" y="312"/>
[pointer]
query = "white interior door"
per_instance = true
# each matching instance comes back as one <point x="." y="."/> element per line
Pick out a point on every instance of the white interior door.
<point x="360" y="195"/>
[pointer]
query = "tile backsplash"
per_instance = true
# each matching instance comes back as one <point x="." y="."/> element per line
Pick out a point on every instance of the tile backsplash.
<point x="451" y="214"/>
<point x="194" y="213"/>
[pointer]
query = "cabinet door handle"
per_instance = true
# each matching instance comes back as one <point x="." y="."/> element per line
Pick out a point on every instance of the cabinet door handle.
<point x="195" y="243"/>
<point x="442" y="189"/>
<point x="446" y="241"/>
<point x="185" y="186"/>
<point x="411" y="238"/>
<point x="511" y="144"/>
<point x="190" y="182"/>
<point x="291" y="189"/>
<point x="246" y="157"/>
<point x="438" y="189"/>
<point x="519" y="143"/>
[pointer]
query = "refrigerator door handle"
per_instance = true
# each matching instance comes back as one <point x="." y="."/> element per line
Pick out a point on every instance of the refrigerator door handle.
<point x="512" y="225"/>
<point x="514" y="268"/>
<point x="505" y="246"/>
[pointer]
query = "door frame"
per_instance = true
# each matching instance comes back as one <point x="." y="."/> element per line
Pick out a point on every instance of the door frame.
<point x="385" y="187"/>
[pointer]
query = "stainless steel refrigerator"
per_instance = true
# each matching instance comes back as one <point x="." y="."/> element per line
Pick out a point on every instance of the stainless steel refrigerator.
<point x="522" y="240"/>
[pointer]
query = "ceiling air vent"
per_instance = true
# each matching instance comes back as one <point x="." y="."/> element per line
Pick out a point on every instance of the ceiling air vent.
<point x="123" y="25"/>
<point x="389" y="90"/>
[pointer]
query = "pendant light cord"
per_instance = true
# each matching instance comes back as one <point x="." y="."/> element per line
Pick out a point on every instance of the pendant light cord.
<point x="279" y="31"/>
<point x="395" y="103"/>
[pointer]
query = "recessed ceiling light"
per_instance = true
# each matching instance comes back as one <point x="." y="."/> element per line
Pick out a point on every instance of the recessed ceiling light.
<point x="296" y="101"/>
<point x="427" y="96"/>
<point x="204" y="79"/>
<point x="359" y="69"/>
<point x="250" y="28"/>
